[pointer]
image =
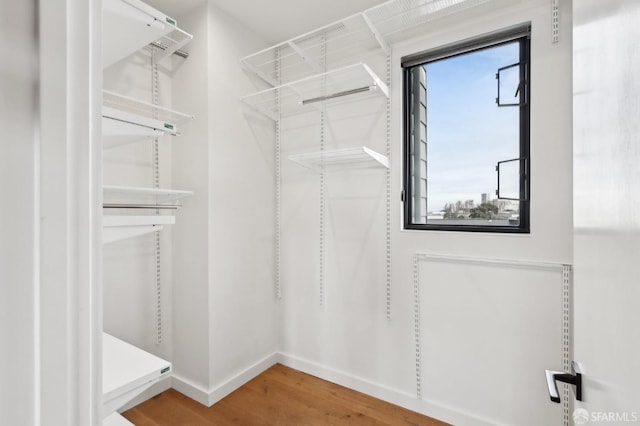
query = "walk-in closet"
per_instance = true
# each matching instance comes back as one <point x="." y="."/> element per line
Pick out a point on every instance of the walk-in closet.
<point x="292" y="212"/>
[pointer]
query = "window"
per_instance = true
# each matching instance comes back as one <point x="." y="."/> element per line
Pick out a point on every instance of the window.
<point x="466" y="135"/>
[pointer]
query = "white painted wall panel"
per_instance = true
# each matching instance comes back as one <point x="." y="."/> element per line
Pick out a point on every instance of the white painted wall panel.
<point x="606" y="197"/>
<point x="496" y="371"/>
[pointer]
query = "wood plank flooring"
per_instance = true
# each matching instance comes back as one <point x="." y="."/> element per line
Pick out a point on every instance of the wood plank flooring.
<point x="280" y="396"/>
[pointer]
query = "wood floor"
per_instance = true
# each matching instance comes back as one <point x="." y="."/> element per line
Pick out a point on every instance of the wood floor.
<point x="279" y="396"/>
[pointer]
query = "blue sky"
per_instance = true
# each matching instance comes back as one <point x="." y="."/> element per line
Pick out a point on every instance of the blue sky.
<point x="467" y="134"/>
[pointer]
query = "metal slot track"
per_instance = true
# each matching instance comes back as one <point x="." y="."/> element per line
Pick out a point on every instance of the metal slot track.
<point x="143" y="206"/>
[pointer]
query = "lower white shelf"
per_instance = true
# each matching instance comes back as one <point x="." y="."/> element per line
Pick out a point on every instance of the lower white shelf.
<point x="341" y="159"/>
<point x="115" y="419"/>
<point x="116" y="228"/>
<point x="127" y="372"/>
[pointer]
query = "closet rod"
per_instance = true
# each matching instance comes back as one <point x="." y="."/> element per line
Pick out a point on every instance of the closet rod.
<point x="143" y="206"/>
<point x="339" y="94"/>
<point x="163" y="46"/>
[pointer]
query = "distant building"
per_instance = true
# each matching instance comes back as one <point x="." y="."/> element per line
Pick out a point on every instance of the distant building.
<point x="485" y="198"/>
<point x="435" y="215"/>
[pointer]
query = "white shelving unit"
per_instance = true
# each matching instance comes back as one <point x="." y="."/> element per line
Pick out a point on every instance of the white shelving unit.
<point x="130" y="25"/>
<point x="127" y="120"/>
<point x="344" y="84"/>
<point x="341" y="159"/>
<point x="349" y="40"/>
<point x="127" y="371"/>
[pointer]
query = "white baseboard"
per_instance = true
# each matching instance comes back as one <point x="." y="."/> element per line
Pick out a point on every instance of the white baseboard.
<point x="210" y="397"/>
<point x="394" y="396"/>
<point x="189" y="389"/>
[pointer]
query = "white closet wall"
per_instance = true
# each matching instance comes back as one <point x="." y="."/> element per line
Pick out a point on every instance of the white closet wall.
<point x="190" y="300"/>
<point x="225" y="326"/>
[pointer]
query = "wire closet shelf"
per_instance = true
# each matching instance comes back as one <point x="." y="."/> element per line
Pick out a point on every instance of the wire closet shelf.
<point x="341" y="159"/>
<point x="349" y="40"/>
<point x="306" y="94"/>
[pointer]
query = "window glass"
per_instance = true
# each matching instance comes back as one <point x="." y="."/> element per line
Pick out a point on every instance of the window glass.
<point x="467" y="115"/>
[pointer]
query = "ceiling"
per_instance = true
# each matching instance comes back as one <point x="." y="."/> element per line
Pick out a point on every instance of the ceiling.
<point x="275" y="20"/>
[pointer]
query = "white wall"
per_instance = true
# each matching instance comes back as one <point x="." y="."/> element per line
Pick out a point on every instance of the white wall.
<point x="224" y="310"/>
<point x="50" y="220"/>
<point x="18" y="219"/>
<point x="190" y="302"/>
<point x="244" y="329"/>
<point x="606" y="197"/>
<point x="349" y="339"/>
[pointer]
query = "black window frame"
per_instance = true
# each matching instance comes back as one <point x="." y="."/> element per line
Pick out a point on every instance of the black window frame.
<point x="520" y="33"/>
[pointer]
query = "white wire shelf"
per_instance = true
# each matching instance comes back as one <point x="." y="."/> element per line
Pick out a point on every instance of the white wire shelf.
<point x="394" y="17"/>
<point x="130" y="25"/>
<point x="349" y="40"/>
<point x="345" y="42"/>
<point x="126" y="120"/>
<point x="121" y="227"/>
<point x="344" y="84"/>
<point x="130" y="194"/>
<point x="169" y="118"/>
<point x="341" y="159"/>
<point x="127" y="372"/>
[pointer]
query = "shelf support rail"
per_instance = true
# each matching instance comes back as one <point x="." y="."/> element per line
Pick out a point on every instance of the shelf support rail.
<point x="257" y="71"/>
<point x="305" y="58"/>
<point x="381" y="41"/>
